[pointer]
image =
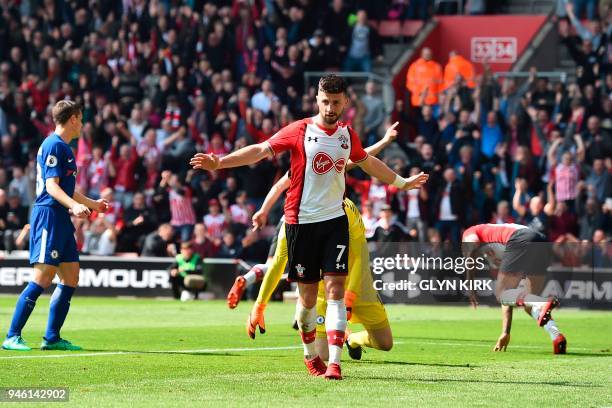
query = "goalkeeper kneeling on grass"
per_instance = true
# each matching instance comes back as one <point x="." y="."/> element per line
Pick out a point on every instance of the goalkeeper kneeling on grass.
<point x="186" y="274"/>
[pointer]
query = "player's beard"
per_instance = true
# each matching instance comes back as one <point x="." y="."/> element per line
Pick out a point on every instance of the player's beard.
<point x="331" y="120"/>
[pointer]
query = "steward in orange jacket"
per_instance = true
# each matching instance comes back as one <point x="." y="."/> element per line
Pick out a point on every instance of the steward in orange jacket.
<point x="457" y="65"/>
<point x="424" y="80"/>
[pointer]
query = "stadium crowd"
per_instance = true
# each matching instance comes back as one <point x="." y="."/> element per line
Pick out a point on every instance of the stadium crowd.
<point x="160" y="81"/>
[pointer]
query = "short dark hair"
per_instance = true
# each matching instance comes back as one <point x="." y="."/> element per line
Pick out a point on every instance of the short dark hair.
<point x="332" y="84"/>
<point x="64" y="109"/>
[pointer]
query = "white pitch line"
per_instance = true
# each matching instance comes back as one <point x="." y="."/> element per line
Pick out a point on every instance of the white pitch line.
<point x="117" y="353"/>
<point x="229" y="350"/>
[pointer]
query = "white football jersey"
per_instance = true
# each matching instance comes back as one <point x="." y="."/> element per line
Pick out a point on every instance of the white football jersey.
<point x="318" y="160"/>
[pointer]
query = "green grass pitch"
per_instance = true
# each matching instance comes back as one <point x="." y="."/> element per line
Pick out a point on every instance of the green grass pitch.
<point x="165" y="353"/>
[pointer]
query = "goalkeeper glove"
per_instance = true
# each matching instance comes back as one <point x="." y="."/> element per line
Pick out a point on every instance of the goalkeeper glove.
<point x="255" y="319"/>
<point x="349" y="298"/>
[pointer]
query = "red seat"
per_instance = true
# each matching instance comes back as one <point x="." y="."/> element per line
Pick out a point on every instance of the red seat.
<point x="389" y="28"/>
<point x="410" y="28"/>
<point x="396" y="28"/>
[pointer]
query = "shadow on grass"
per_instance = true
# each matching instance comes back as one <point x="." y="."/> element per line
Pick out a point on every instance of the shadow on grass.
<point x="231" y="353"/>
<point x="456" y="380"/>
<point x="600" y="353"/>
<point x="410" y="363"/>
<point x="407" y="339"/>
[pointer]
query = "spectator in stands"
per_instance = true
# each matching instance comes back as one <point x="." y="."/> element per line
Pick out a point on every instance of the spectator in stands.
<point x="202" y="242"/>
<point x="263" y="99"/>
<point x="418" y="9"/>
<point x="215" y="221"/>
<point x="254" y="249"/>
<point x="590" y="217"/>
<point x="114" y="214"/>
<point x="492" y="134"/>
<point x="139" y="220"/>
<point x="449" y="207"/>
<point x="230" y="247"/>
<point x="424" y="80"/>
<point x="388" y="231"/>
<point x="361" y="45"/>
<point x="160" y="242"/>
<point x="476" y="7"/>
<point x="100" y="238"/>
<point x="502" y="215"/>
<point x="335" y="22"/>
<point x="562" y="223"/>
<point x="20" y="185"/>
<point x="181" y="207"/>
<point x="16" y="219"/>
<point x="3" y="213"/>
<point x="580" y="6"/>
<point x="413" y="209"/>
<point x="99" y="171"/>
<point x="536" y="214"/>
<point x="375" y="113"/>
<point x="566" y="176"/>
<point x="370" y="220"/>
<point x="600" y="180"/>
<point x="124" y="158"/>
<point x="427" y="126"/>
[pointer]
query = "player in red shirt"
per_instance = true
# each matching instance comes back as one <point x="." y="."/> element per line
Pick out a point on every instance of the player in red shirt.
<point x="316" y="225"/>
<point x="518" y="252"/>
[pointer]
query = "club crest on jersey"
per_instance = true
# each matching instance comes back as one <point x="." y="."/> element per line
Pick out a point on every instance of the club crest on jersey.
<point x="322" y="163"/>
<point x="51" y="161"/>
<point x="300" y="270"/>
<point x="54" y="254"/>
<point x="343" y="141"/>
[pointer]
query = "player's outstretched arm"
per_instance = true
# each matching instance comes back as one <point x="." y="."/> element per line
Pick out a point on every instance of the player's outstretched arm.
<point x="100" y="205"/>
<point x="376" y="148"/>
<point x="241" y="157"/>
<point x="260" y="217"/>
<point x="55" y="191"/>
<point x="376" y="168"/>
<point x="504" y="338"/>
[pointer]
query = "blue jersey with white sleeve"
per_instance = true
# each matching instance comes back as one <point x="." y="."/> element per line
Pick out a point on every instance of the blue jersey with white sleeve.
<point x="52" y="238"/>
<point x="54" y="159"/>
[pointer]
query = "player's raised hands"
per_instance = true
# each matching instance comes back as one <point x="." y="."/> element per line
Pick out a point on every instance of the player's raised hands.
<point x="391" y="133"/>
<point x="101" y="206"/>
<point x="259" y="219"/>
<point x="255" y="319"/>
<point x="80" y="211"/>
<point x="416" y="181"/>
<point x="502" y="342"/>
<point x="205" y="161"/>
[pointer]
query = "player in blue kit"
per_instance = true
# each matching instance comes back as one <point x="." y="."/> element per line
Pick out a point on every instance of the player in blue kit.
<point x="53" y="248"/>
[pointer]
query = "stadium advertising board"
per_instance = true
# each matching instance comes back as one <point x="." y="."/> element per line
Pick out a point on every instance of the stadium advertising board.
<point x="117" y="276"/>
